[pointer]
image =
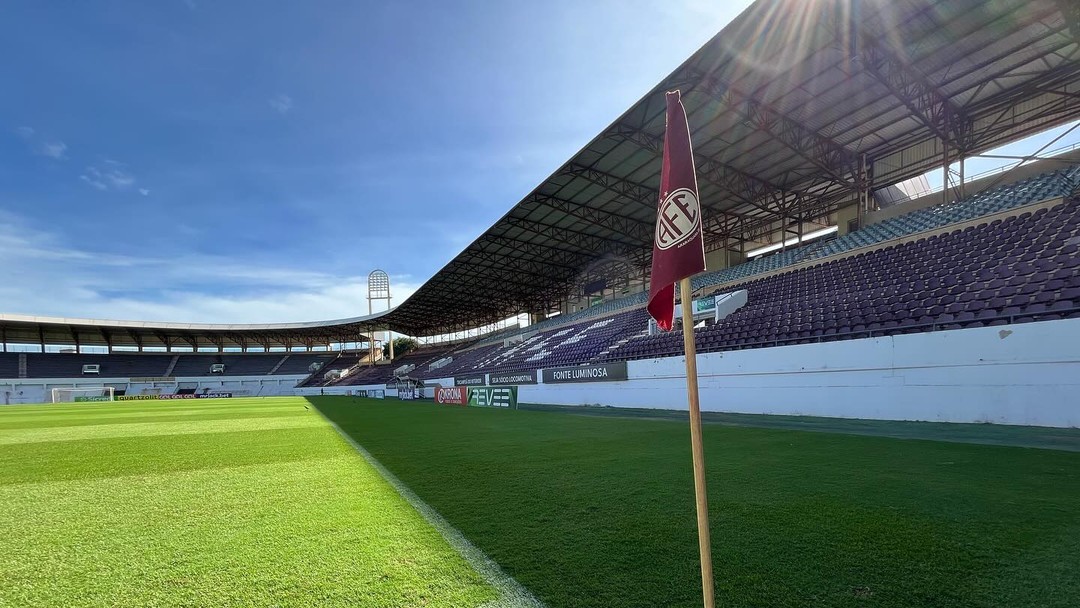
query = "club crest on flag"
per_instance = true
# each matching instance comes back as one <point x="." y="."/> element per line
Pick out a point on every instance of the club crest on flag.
<point x="679" y="219"/>
<point x="678" y="243"/>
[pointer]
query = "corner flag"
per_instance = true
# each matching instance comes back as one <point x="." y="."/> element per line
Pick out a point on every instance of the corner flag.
<point x="678" y="254"/>
<point x="678" y="247"/>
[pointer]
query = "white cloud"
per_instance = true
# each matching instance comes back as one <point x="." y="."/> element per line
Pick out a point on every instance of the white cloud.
<point x="282" y="103"/>
<point x="144" y="191"/>
<point x="109" y="175"/>
<point x="45" y="275"/>
<point x="53" y="148"/>
<point x="96" y="183"/>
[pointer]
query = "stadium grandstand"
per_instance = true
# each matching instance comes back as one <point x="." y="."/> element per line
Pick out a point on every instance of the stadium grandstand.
<point x="808" y="158"/>
<point x="141" y="358"/>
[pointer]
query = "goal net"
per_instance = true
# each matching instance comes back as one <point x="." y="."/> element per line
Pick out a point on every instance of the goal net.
<point x="70" y="395"/>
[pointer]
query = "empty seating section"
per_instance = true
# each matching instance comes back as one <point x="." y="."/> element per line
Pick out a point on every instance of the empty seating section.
<point x="603" y="308"/>
<point x="380" y="374"/>
<point x="134" y="365"/>
<point x="340" y="362"/>
<point x="69" y="365"/>
<point x="300" y="363"/>
<point x="465" y="360"/>
<point x="1021" y="269"/>
<point x="1055" y="184"/>
<point x="122" y="365"/>
<point x="574" y="344"/>
<point x="235" y="365"/>
<point x="9" y="365"/>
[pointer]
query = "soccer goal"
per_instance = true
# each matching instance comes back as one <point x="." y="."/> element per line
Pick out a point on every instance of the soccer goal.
<point x="96" y="393"/>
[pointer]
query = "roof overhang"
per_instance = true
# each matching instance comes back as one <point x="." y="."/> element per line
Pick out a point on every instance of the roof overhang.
<point x="794" y="108"/>
<point x="28" y="329"/>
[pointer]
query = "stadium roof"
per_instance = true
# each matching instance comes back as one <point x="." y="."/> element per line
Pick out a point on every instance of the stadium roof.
<point x="784" y="104"/>
<point x="25" y="329"/>
<point x="795" y="108"/>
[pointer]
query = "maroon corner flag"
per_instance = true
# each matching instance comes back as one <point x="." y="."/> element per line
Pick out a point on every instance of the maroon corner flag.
<point x="678" y="254"/>
<point x="678" y="247"/>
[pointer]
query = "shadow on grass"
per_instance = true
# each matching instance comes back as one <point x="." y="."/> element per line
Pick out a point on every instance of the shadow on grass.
<point x="990" y="434"/>
<point x="598" y="510"/>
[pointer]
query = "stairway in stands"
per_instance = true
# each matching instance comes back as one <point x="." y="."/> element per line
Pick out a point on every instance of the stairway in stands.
<point x="279" y="364"/>
<point x="172" y="364"/>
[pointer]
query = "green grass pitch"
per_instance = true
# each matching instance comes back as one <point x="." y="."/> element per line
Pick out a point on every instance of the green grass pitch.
<point x="259" y="502"/>
<point x="239" y="502"/>
<point x="599" y="511"/>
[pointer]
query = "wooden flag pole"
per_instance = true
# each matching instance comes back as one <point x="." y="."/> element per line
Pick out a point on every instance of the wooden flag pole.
<point x="704" y="543"/>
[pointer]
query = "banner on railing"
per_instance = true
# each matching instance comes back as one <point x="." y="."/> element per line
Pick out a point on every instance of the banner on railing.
<point x="479" y="380"/>
<point x="703" y="306"/>
<point x="512" y="378"/>
<point x="595" y="372"/>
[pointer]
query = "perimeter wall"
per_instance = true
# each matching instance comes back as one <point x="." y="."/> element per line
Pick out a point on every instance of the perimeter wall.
<point x="39" y="390"/>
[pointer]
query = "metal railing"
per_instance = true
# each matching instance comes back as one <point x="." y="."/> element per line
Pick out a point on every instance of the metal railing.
<point x="999" y="170"/>
<point x="903" y="328"/>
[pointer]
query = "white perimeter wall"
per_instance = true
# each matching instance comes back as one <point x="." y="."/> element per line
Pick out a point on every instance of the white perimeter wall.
<point x="39" y="390"/>
<point x="1026" y="374"/>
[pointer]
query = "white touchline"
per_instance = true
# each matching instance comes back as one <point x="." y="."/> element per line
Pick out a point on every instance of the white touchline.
<point x="511" y="593"/>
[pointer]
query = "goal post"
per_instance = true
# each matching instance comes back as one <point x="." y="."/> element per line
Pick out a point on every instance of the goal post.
<point x="79" y="395"/>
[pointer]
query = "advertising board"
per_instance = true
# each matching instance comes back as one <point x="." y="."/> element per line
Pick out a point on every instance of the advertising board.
<point x="172" y="396"/>
<point x="493" y="396"/>
<point x="452" y="395"/>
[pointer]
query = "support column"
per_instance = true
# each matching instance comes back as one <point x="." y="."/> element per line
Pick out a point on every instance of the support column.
<point x="783" y="226"/>
<point x="945" y="173"/>
<point x="863" y="184"/>
<point x="799" y="212"/>
<point x="961" y="177"/>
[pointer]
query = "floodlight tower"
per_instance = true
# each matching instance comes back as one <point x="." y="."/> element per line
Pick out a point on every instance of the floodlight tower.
<point x="378" y="288"/>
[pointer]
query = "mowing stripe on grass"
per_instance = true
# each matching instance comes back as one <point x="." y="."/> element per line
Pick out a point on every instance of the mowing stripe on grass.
<point x="150" y="429"/>
<point x="272" y="517"/>
<point x="512" y="593"/>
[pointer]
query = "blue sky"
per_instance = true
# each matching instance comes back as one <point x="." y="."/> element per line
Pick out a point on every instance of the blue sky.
<point x="253" y="161"/>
